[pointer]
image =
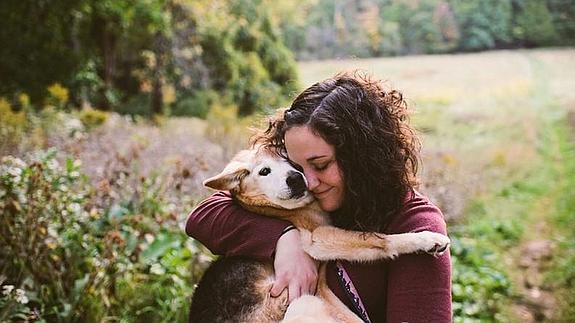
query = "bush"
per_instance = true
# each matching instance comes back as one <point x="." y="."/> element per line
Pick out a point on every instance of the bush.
<point x="92" y="118"/>
<point x="534" y="24"/>
<point x="57" y="96"/>
<point x="43" y="233"/>
<point x="139" y="104"/>
<point x="82" y="254"/>
<point x="12" y="126"/>
<point x="196" y="104"/>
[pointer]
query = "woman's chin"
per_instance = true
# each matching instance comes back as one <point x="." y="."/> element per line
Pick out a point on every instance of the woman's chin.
<point x="327" y="205"/>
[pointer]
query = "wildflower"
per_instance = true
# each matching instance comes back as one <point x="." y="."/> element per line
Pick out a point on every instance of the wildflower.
<point x="58" y="92"/>
<point x="14" y="171"/>
<point x="51" y="244"/>
<point x="7" y="289"/>
<point x="74" y="128"/>
<point x="21" y="296"/>
<point x="74" y="208"/>
<point x="24" y="100"/>
<point x="94" y="214"/>
<point x="53" y="164"/>
<point x="149" y="237"/>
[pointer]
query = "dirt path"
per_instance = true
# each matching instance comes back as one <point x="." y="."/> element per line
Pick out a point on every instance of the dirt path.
<point x="535" y="300"/>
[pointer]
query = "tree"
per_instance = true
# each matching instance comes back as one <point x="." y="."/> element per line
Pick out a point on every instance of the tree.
<point x="533" y="23"/>
<point x="483" y="24"/>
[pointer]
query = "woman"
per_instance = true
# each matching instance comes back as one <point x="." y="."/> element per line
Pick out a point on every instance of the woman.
<point x="352" y="140"/>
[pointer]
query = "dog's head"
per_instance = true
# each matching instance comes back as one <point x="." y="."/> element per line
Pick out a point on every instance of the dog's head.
<point x="263" y="178"/>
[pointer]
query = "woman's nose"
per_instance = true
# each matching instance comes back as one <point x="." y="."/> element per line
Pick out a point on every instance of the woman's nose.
<point x="312" y="180"/>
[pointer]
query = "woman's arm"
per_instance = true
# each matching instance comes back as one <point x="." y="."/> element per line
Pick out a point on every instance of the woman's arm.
<point x="419" y="289"/>
<point x="419" y="285"/>
<point x="227" y="229"/>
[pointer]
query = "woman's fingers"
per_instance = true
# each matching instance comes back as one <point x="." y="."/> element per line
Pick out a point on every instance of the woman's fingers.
<point x="294" y="268"/>
<point x="278" y="286"/>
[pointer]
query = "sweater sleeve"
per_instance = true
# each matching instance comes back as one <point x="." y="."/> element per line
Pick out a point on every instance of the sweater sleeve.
<point x="226" y="228"/>
<point x="419" y="285"/>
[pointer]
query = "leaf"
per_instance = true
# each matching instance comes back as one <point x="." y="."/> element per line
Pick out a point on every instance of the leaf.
<point x="117" y="211"/>
<point x="160" y="246"/>
<point x="80" y="284"/>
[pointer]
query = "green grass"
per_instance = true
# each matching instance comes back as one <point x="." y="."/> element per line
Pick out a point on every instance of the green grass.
<point x="562" y="274"/>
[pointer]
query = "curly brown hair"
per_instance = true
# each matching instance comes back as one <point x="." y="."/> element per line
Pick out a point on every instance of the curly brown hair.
<point x="376" y="148"/>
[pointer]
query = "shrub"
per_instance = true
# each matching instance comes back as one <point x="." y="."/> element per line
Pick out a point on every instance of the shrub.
<point x="12" y="126"/>
<point x="196" y="104"/>
<point x="92" y="118"/>
<point x="81" y="254"/>
<point x="57" y="95"/>
<point x="137" y="105"/>
<point x="43" y="233"/>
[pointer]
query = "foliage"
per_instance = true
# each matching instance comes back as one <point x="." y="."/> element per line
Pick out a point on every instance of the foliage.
<point x="41" y="54"/>
<point x="563" y="15"/>
<point x="43" y="226"/>
<point x="483" y="24"/>
<point x="196" y="104"/>
<point x="12" y="126"/>
<point x="227" y="129"/>
<point x="81" y="255"/>
<point x="534" y="24"/>
<point x="479" y="287"/>
<point x="131" y="57"/>
<point x="247" y="63"/>
<point x="32" y="128"/>
<point x="92" y="118"/>
<point x="362" y="28"/>
<point x="57" y="95"/>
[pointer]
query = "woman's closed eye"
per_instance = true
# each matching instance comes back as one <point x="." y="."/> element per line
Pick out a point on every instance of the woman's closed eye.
<point x="322" y="166"/>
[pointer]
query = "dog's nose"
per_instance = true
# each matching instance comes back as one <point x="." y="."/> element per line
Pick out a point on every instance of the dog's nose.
<point x="295" y="181"/>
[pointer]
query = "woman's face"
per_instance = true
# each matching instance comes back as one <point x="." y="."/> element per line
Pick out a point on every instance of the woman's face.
<point x="317" y="159"/>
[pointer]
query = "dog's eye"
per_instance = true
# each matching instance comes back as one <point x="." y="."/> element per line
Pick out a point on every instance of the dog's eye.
<point x="265" y="171"/>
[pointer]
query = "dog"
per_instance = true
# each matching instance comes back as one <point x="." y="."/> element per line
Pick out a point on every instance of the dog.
<point x="236" y="289"/>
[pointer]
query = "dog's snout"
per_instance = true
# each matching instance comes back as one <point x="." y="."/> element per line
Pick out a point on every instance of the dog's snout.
<point x="294" y="179"/>
<point x="296" y="182"/>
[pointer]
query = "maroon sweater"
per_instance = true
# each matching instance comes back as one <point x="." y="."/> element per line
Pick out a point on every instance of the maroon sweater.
<point x="411" y="288"/>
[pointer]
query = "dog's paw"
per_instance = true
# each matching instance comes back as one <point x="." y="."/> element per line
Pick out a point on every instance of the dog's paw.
<point x="434" y="243"/>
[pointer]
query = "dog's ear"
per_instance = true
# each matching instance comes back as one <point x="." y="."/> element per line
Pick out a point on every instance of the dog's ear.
<point x="229" y="178"/>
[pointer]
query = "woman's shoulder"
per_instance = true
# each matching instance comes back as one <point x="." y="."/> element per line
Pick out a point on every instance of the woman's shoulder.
<point x="418" y="214"/>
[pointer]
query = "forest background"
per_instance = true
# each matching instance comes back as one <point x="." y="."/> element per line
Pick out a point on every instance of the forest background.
<point x="112" y="112"/>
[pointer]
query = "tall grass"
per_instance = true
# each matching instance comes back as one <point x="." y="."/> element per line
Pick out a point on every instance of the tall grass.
<point x="561" y="156"/>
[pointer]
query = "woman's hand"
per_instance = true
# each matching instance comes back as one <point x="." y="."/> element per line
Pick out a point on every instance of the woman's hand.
<point x="294" y="268"/>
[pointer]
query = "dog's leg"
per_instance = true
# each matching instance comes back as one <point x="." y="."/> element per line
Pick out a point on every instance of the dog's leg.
<point x="337" y="309"/>
<point x="330" y="243"/>
<point x="308" y="309"/>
